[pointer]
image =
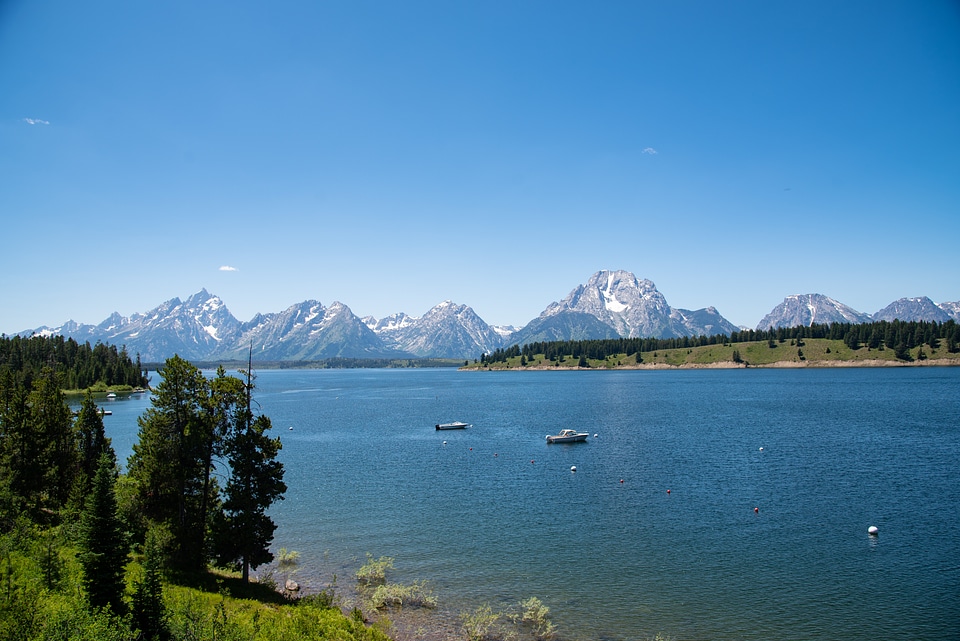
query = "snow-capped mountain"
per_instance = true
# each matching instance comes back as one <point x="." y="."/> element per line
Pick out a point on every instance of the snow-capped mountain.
<point x="952" y="309"/>
<point x="610" y="304"/>
<point x="447" y="330"/>
<point x="194" y="329"/>
<point x="915" y="309"/>
<point x="807" y="309"/>
<point x="308" y="331"/>
<point x="634" y="308"/>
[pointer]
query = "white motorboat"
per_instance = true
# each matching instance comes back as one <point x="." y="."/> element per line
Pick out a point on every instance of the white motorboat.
<point x="567" y="436"/>
<point x="456" y="425"/>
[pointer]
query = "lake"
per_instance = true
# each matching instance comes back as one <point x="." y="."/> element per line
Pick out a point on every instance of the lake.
<point x="706" y="504"/>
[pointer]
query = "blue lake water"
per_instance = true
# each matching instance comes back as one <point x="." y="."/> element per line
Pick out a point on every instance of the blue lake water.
<point x="774" y="477"/>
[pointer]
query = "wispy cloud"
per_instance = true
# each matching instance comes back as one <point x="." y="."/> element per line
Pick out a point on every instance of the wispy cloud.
<point x="36" y="121"/>
<point x="227" y="268"/>
<point x="650" y="151"/>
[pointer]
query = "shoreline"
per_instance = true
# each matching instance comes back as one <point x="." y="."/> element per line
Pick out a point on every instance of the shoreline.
<point x="820" y="364"/>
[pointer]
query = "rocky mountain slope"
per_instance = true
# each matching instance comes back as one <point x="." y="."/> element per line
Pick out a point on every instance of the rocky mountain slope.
<point x="807" y="309"/>
<point x="624" y="306"/>
<point x="610" y="304"/>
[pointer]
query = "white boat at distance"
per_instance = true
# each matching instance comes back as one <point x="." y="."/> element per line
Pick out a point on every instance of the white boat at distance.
<point x="456" y="425"/>
<point x="567" y="436"/>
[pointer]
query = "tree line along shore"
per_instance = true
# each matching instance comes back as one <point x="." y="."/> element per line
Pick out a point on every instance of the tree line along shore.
<point x="834" y="345"/>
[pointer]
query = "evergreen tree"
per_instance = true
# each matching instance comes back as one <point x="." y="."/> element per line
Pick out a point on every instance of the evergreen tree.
<point x="92" y="441"/>
<point x="256" y="482"/>
<point x="852" y="339"/>
<point x="168" y="462"/>
<point x="149" y="616"/>
<point x="39" y="449"/>
<point x="225" y="407"/>
<point x="103" y="550"/>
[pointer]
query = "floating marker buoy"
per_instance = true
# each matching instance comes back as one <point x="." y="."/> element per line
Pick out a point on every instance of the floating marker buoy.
<point x="573" y="468"/>
<point x="873" y="531"/>
<point x="596" y="436"/>
<point x="668" y="491"/>
<point x="444" y="442"/>
<point x="756" y="510"/>
<point x="761" y="449"/>
<point x="621" y="480"/>
<point x="531" y="460"/>
<point x="290" y="428"/>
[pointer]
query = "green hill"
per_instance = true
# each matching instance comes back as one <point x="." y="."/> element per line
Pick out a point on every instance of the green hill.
<point x="809" y="352"/>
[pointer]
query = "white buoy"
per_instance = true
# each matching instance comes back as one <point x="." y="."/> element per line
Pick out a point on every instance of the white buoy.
<point x="596" y="436"/>
<point x="573" y="468"/>
<point x="444" y="442"/>
<point x="873" y="531"/>
<point x="761" y="449"/>
<point x="290" y="428"/>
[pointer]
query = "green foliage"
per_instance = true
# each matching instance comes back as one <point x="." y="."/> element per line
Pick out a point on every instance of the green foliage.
<point x="287" y="562"/>
<point x="374" y="571"/>
<point x="397" y="595"/>
<point x="149" y="613"/>
<point x="168" y="461"/>
<point x="78" y="366"/>
<point x="911" y="334"/>
<point x="103" y="548"/>
<point x="256" y="482"/>
<point x="38" y="450"/>
<point x="92" y="442"/>
<point x="481" y="624"/>
<point x="193" y="424"/>
<point x="534" y="616"/>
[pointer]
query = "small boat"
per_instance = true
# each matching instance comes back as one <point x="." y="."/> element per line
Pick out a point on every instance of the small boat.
<point x="111" y="395"/>
<point x="567" y="436"/>
<point x="456" y="425"/>
<point x="105" y="412"/>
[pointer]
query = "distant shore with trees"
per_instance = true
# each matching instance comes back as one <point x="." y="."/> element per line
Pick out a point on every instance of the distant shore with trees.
<point x="881" y="344"/>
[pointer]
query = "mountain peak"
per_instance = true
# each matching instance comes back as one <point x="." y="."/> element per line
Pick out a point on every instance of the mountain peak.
<point x="807" y="309"/>
<point x="918" y="308"/>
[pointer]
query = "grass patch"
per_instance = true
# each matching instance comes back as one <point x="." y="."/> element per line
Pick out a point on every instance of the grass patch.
<point x="809" y="352"/>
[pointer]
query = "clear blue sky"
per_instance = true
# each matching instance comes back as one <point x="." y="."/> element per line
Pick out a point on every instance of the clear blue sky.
<point x="392" y="155"/>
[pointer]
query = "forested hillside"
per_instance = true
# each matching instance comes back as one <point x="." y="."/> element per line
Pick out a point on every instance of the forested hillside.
<point x="899" y="336"/>
<point x="76" y="366"/>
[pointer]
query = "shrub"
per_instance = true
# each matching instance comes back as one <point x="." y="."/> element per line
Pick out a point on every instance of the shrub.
<point x="417" y="594"/>
<point x="480" y="625"/>
<point x="374" y="572"/>
<point x="533" y="616"/>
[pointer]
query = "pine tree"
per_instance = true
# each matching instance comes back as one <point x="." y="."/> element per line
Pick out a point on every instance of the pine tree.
<point x="92" y="442"/>
<point x="256" y="482"/>
<point x="168" y="462"/>
<point x="149" y="615"/>
<point x="103" y="550"/>
<point x="39" y="448"/>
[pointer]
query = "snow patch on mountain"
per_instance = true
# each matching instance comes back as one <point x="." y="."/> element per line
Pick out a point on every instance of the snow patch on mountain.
<point x="807" y="309"/>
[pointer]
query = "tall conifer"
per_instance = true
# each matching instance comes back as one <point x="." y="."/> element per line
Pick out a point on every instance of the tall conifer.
<point x="103" y="550"/>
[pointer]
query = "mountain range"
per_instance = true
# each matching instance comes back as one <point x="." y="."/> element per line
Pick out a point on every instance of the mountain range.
<point x="610" y="304"/>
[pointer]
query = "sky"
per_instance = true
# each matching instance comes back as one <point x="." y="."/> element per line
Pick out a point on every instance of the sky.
<point x="394" y="155"/>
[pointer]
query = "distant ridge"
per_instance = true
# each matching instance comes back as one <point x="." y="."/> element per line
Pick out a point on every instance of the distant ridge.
<point x="611" y="304"/>
<point x="807" y="309"/>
